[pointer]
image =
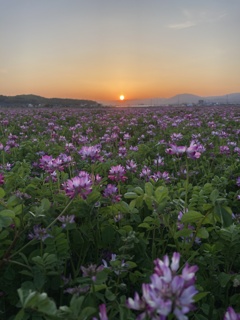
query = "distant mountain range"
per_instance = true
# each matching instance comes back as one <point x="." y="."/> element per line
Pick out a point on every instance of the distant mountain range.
<point x="32" y="100"/>
<point x="233" y="98"/>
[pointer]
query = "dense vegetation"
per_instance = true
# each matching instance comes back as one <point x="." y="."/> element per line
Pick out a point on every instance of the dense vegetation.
<point x="119" y="214"/>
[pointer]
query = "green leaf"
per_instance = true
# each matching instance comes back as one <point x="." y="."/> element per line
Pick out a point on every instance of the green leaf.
<point x="202" y="233"/>
<point x="132" y="205"/>
<point x="224" y="278"/>
<point x="45" y="204"/>
<point x="7" y="213"/>
<point x="4" y="234"/>
<point x="161" y="194"/>
<point x="200" y="295"/>
<point x="139" y="191"/>
<point x="214" y="195"/>
<point x="144" y="225"/>
<point x="87" y="312"/>
<point x="12" y="201"/>
<point x="18" y="209"/>
<point x="110" y="295"/>
<point x="93" y="197"/>
<point x="149" y="189"/>
<point x="20" y="315"/>
<point x="2" y="193"/>
<point x="183" y="233"/>
<point x="123" y="207"/>
<point x="5" y="222"/>
<point x="99" y="287"/>
<point x="76" y="305"/>
<point x="148" y="201"/>
<point x="130" y="195"/>
<point x="225" y="215"/>
<point x="191" y="216"/>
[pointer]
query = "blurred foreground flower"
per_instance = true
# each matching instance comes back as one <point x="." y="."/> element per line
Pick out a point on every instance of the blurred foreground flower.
<point x="168" y="292"/>
<point x="231" y="314"/>
<point x="102" y="313"/>
<point x="1" y="179"/>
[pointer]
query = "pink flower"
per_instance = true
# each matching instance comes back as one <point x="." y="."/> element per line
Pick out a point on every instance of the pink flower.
<point x="177" y="150"/>
<point x="111" y="192"/>
<point x="145" y="173"/>
<point x="91" y="271"/>
<point x="1" y="179"/>
<point x="92" y="153"/>
<point x="80" y="185"/>
<point x="117" y="173"/>
<point x="102" y="313"/>
<point x="131" y="166"/>
<point x="168" y="292"/>
<point x="231" y="314"/>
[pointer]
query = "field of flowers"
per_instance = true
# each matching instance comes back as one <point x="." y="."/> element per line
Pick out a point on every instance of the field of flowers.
<point x="120" y="214"/>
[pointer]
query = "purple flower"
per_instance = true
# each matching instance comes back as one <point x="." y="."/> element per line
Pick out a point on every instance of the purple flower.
<point x="168" y="292"/>
<point x="224" y="150"/>
<point x="238" y="182"/>
<point x="231" y="314"/>
<point x="66" y="220"/>
<point x="145" y="173"/>
<point x="102" y="313"/>
<point x="78" y="290"/>
<point x="92" y="153"/>
<point x="39" y="233"/>
<point x="159" y="161"/>
<point x="131" y="166"/>
<point x="117" y="173"/>
<point x="80" y="185"/>
<point x="91" y="271"/>
<point x="193" y="151"/>
<point x="122" y="152"/>
<point x="177" y="150"/>
<point x="111" y="191"/>
<point x="176" y="136"/>
<point x="1" y="179"/>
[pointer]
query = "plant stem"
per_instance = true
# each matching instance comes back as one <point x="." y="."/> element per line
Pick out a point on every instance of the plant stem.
<point x="49" y="226"/>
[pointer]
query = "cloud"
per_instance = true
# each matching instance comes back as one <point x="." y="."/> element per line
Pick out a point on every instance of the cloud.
<point x="194" y="18"/>
<point x="184" y="25"/>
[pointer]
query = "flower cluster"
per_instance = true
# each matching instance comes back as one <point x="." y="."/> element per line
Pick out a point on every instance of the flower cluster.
<point x="50" y="164"/>
<point x="91" y="271"/>
<point x="79" y="185"/>
<point x="39" y="233"/>
<point x="231" y="314"/>
<point x="117" y="173"/>
<point x="193" y="151"/>
<point x="168" y="292"/>
<point x="111" y="192"/>
<point x="66" y="220"/>
<point x="91" y="153"/>
<point x="131" y="166"/>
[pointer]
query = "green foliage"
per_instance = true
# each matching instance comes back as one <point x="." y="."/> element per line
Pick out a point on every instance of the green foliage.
<point x="182" y="205"/>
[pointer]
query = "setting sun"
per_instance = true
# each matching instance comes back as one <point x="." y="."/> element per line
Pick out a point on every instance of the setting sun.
<point x="121" y="97"/>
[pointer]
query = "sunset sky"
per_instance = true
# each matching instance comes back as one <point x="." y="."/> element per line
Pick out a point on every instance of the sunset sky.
<point x="100" y="49"/>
